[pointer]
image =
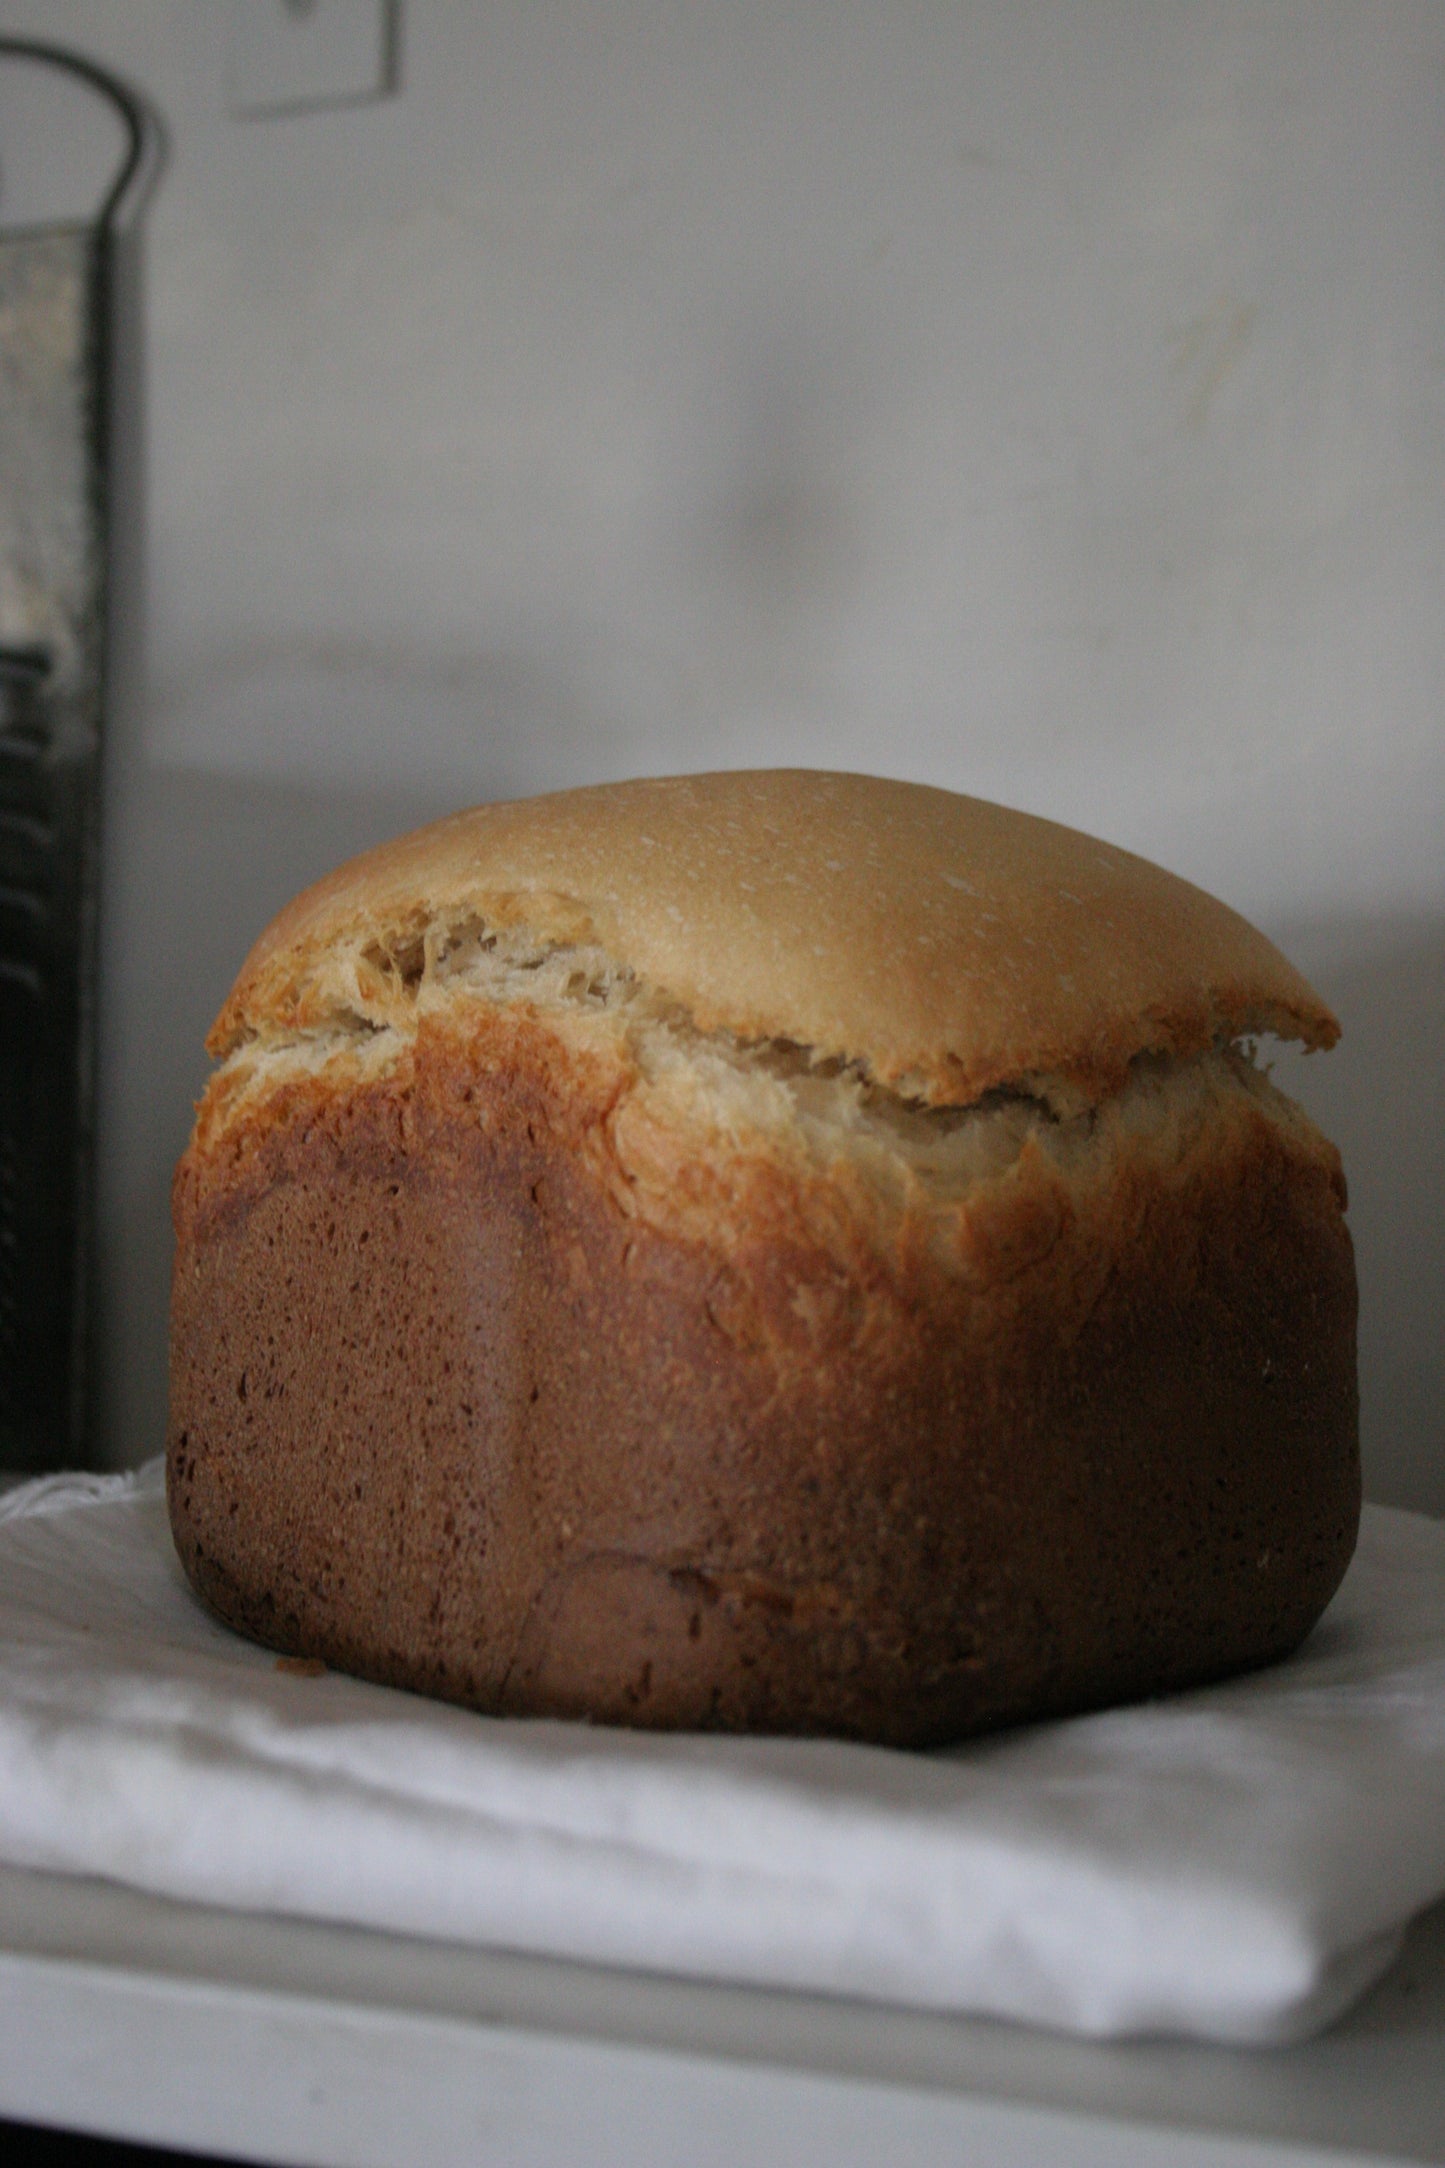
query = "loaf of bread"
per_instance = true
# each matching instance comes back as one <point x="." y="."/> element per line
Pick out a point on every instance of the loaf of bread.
<point x="773" y="1251"/>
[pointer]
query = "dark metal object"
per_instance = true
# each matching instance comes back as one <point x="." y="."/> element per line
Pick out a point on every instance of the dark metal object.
<point x="56" y="300"/>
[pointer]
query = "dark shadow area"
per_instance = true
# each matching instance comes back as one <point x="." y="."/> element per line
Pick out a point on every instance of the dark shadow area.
<point x="28" y="2145"/>
<point x="1381" y="1095"/>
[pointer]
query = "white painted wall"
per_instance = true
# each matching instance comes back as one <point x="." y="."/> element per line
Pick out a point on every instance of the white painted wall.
<point x="1041" y="397"/>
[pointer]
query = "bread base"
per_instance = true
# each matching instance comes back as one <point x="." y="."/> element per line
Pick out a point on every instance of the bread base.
<point x="445" y="1415"/>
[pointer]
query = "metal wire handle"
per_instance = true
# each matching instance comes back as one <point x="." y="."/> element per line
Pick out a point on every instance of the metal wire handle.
<point x="140" y="160"/>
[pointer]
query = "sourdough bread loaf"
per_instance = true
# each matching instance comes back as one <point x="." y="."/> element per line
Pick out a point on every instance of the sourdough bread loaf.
<point x="773" y="1251"/>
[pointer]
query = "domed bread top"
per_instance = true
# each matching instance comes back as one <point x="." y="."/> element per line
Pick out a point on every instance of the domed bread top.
<point x="945" y="945"/>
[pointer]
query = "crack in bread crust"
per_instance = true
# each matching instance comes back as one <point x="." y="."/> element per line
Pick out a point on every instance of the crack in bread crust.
<point x="682" y="1119"/>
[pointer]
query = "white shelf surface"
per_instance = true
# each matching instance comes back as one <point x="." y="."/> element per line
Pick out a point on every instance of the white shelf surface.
<point x="288" y="2041"/>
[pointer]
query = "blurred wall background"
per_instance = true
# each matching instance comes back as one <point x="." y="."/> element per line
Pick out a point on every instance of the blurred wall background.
<point x="1044" y="398"/>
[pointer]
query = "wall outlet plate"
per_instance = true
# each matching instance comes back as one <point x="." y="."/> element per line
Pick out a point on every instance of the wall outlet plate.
<point x="298" y="56"/>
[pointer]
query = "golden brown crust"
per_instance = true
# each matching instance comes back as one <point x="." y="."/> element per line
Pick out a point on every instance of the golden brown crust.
<point x="454" y="1408"/>
<point x="943" y="945"/>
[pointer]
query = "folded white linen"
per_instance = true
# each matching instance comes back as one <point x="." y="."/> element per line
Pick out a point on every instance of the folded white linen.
<point x="1237" y="1863"/>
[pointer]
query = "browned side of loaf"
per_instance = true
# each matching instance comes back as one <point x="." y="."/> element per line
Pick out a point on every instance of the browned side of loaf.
<point x="445" y="1416"/>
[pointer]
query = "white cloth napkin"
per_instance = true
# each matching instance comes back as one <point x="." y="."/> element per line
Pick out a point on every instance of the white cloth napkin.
<point x="1237" y="1863"/>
